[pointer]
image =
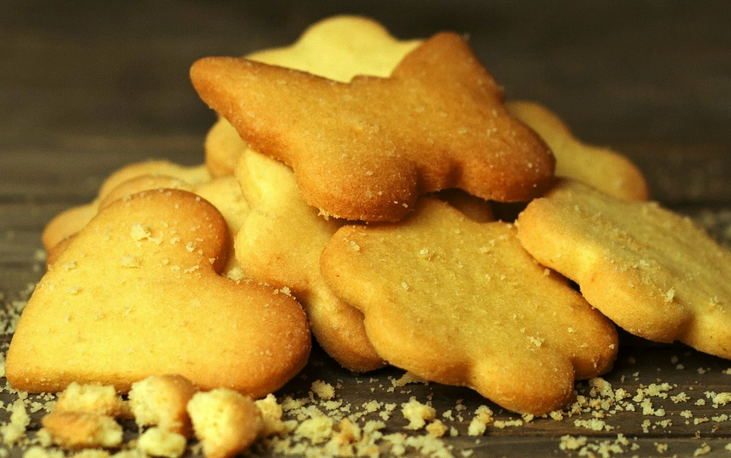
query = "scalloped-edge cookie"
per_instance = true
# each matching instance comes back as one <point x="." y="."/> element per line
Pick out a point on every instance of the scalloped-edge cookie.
<point x="137" y="293"/>
<point x="337" y="48"/>
<point x="280" y="243"/>
<point x="602" y="168"/>
<point x="365" y="150"/>
<point x="651" y="271"/>
<point x="461" y="303"/>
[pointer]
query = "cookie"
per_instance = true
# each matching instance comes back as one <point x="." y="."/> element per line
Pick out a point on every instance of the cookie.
<point x="137" y="293"/>
<point x="337" y="48"/>
<point x="472" y="207"/>
<point x="652" y="272"/>
<point x="225" y="422"/>
<point x="271" y="417"/>
<point x="461" y="303"/>
<point x="93" y="398"/>
<point x="365" y="150"/>
<point x="72" y="220"/>
<point x="224" y="193"/>
<point x="73" y="430"/>
<point x="602" y="168"/>
<point x="280" y="243"/>
<point x="162" y="401"/>
<point x="161" y="442"/>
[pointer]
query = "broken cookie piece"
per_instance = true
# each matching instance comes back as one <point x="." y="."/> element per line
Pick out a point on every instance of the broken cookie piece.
<point x="74" y="430"/>
<point x="225" y="422"/>
<point x="162" y="401"/>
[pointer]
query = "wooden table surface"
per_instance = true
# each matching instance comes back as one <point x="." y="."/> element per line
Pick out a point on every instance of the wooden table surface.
<point x="89" y="87"/>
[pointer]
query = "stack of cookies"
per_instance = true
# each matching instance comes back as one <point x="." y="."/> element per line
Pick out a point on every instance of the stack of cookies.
<point x="348" y="191"/>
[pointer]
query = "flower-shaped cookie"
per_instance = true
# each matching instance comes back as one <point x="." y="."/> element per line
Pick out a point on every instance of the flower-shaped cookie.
<point x="460" y="302"/>
<point x="652" y="272"/>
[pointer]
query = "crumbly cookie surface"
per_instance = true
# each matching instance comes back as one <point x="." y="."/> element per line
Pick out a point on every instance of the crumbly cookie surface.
<point x="459" y="302"/>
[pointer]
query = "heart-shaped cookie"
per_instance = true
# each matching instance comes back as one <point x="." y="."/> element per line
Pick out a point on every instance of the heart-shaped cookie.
<point x="137" y="293"/>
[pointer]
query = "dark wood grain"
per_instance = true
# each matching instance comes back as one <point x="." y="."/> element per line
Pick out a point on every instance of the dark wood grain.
<point x="86" y="87"/>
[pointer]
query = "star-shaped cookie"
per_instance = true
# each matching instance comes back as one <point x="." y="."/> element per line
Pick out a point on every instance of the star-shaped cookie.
<point x="337" y="48"/>
<point x="367" y="149"/>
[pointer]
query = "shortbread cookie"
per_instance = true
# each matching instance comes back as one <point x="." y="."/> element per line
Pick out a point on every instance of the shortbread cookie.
<point x="472" y="207"/>
<point x="461" y="303"/>
<point x="280" y="243"/>
<point x="162" y="442"/>
<point x="225" y="422"/>
<point x="223" y="148"/>
<point x="93" y="398"/>
<point x="601" y="168"/>
<point x="337" y="48"/>
<point x="367" y="149"/>
<point x="137" y="293"/>
<point x="72" y="220"/>
<point x="74" y="430"/>
<point x="224" y="193"/>
<point x="652" y="272"/>
<point x="161" y="401"/>
<point x="67" y="224"/>
<point x="271" y="417"/>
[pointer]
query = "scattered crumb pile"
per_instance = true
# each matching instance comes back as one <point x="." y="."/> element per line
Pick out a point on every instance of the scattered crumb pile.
<point x="169" y="410"/>
<point x="83" y="421"/>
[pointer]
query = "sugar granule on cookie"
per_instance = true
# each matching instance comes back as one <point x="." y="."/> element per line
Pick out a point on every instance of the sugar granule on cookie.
<point x="367" y="149"/>
<point x="225" y="422"/>
<point x="460" y="302"/>
<point x="337" y="48"/>
<point x="169" y="312"/>
<point x="602" y="168"/>
<point x="652" y="272"/>
<point x="224" y="193"/>
<point x="280" y="243"/>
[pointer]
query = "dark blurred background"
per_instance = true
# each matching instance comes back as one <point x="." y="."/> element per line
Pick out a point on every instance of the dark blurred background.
<point x="94" y="78"/>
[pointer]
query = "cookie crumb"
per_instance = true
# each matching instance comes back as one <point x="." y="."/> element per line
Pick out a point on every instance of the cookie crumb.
<point x="417" y="413"/>
<point x="323" y="389"/>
